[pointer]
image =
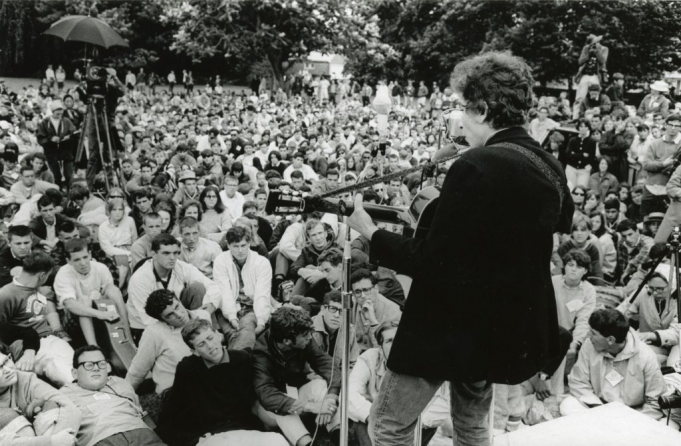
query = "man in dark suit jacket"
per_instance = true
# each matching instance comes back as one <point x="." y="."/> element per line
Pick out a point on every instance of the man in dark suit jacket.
<point x="54" y="135"/>
<point x="481" y="308"/>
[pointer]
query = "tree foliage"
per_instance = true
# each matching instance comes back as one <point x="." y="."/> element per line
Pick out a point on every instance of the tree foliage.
<point x="430" y="37"/>
<point x="279" y="32"/>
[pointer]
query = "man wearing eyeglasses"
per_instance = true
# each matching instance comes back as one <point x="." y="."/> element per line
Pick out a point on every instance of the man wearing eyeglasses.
<point x="659" y="162"/>
<point x="370" y="307"/>
<point x="657" y="317"/>
<point x="326" y="330"/>
<point x="111" y="411"/>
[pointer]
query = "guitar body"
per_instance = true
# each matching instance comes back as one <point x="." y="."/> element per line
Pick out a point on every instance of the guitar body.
<point x="113" y="340"/>
<point x="422" y="211"/>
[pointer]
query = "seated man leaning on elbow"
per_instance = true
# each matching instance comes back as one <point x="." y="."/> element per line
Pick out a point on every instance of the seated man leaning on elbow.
<point x="281" y="358"/>
<point x="211" y="401"/>
<point x="83" y="280"/>
<point x="161" y="347"/>
<point x="614" y="365"/>
<point x="111" y="412"/>
<point x="165" y="271"/>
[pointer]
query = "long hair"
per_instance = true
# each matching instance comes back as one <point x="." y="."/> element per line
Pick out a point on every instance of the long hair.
<point x="219" y="207"/>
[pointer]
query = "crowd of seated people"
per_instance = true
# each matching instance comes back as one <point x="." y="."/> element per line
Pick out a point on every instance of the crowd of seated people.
<point x="233" y="314"/>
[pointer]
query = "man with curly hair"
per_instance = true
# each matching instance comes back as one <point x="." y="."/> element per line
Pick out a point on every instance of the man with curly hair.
<point x="462" y="322"/>
<point x="282" y="357"/>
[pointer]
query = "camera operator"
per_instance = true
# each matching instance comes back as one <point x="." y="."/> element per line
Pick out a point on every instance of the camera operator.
<point x="592" y="68"/>
<point x="105" y="88"/>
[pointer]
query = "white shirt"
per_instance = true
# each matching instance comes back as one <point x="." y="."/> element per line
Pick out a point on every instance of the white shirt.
<point x="308" y="173"/>
<point x="70" y="284"/>
<point x="112" y="238"/>
<point x="234" y="204"/>
<point x="143" y="282"/>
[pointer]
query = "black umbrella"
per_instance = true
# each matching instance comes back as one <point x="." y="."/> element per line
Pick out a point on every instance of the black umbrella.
<point x="80" y="28"/>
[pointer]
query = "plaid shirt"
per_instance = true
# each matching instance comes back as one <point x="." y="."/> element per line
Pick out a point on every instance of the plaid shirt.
<point x="628" y="262"/>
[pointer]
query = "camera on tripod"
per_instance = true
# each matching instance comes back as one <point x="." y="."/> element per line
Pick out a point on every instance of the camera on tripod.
<point x="95" y="80"/>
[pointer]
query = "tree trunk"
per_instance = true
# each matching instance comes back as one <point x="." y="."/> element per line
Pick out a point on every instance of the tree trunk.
<point x="277" y="71"/>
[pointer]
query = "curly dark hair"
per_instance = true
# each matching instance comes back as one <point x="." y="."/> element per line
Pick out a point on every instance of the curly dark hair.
<point x="287" y="323"/>
<point x="158" y="301"/>
<point x="497" y="83"/>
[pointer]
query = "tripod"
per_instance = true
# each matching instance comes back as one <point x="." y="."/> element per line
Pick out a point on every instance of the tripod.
<point x="674" y="247"/>
<point x="96" y="113"/>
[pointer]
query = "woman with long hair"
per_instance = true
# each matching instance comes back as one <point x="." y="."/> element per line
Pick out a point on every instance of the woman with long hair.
<point x="603" y="181"/>
<point x="593" y="203"/>
<point x="167" y="209"/>
<point x="215" y="219"/>
<point x="275" y="162"/>
<point x="116" y="236"/>
<point x="608" y="250"/>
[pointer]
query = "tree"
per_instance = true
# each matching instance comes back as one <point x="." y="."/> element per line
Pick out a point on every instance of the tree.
<point x="279" y="32"/>
<point x="431" y="37"/>
<point x="17" y="34"/>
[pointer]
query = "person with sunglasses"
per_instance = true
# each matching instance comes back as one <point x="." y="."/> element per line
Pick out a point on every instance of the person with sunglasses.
<point x="110" y="408"/>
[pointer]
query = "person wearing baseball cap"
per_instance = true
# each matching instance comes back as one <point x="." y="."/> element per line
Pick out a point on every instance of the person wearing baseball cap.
<point x="56" y="136"/>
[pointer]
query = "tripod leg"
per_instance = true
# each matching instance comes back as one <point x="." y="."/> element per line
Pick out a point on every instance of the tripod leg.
<point x="112" y="159"/>
<point x="101" y="154"/>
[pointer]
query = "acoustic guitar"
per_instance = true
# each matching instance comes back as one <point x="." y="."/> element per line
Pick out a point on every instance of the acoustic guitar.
<point x="415" y="219"/>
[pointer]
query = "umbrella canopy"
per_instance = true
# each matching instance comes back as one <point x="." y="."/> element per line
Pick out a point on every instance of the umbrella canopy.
<point x="80" y="28"/>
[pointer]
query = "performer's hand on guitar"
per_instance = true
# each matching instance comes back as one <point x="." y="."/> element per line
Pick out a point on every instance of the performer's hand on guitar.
<point x="360" y="221"/>
<point x="55" y="139"/>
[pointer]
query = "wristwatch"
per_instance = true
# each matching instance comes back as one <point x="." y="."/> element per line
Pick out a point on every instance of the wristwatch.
<point x="543" y="376"/>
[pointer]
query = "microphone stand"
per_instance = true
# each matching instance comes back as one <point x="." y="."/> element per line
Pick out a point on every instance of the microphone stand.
<point x="345" y="332"/>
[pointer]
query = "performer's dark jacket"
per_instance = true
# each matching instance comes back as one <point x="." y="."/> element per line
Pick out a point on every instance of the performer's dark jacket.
<point x="482" y="305"/>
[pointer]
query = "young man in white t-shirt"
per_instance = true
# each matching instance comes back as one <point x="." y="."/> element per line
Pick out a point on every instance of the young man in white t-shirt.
<point x="83" y="280"/>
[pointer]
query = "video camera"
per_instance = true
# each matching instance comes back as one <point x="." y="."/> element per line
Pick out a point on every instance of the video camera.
<point x="95" y="80"/>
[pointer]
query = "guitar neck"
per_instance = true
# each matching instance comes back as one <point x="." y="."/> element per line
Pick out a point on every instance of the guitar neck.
<point x="378" y="212"/>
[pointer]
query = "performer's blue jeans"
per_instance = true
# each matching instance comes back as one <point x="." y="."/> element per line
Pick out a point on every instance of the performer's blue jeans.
<point x="403" y="398"/>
